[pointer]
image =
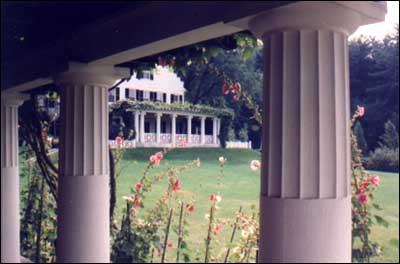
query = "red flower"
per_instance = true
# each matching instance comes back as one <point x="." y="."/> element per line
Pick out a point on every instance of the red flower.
<point x="375" y="180"/>
<point x="362" y="198"/>
<point x="170" y="245"/>
<point x="138" y="186"/>
<point x="235" y="98"/>
<point x="217" y="229"/>
<point x="190" y="208"/>
<point x="176" y="186"/>
<point x="184" y="143"/>
<point x="154" y="160"/>
<point x="159" y="155"/>
<point x="213" y="197"/>
<point x="236" y="87"/>
<point x="119" y="140"/>
<point x="225" y="89"/>
<point x="137" y="203"/>
<point x="44" y="133"/>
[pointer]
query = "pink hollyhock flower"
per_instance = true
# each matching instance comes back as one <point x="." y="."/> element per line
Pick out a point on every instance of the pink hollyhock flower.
<point x="130" y="199"/>
<point x="44" y="133"/>
<point x="236" y="86"/>
<point x="137" y="203"/>
<point x="154" y="160"/>
<point x="255" y="165"/>
<point x="183" y="143"/>
<point x="362" y="198"/>
<point x="217" y="229"/>
<point x="218" y="198"/>
<point x="176" y="186"/>
<point x="159" y="155"/>
<point x="225" y="89"/>
<point x="360" y="111"/>
<point x="138" y="186"/>
<point x="190" y="208"/>
<point x="212" y="197"/>
<point x="235" y="98"/>
<point x="170" y="245"/>
<point x="119" y="140"/>
<point x="222" y="160"/>
<point x="375" y="180"/>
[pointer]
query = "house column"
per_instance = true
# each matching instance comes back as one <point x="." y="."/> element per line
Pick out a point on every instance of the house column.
<point x="142" y="130"/>
<point x="137" y="132"/>
<point x="215" y="130"/>
<point x="305" y="204"/>
<point x="10" y="221"/>
<point x="203" y="130"/>
<point x="83" y="183"/>
<point x="173" y="127"/>
<point x="189" y="129"/>
<point x="158" y="138"/>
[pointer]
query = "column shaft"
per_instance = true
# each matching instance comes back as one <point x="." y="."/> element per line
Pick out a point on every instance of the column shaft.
<point x="158" y="127"/>
<point x="173" y="125"/>
<point x="83" y="183"/>
<point x="189" y="129"/>
<point x="215" y="130"/>
<point x="142" y="130"/>
<point x="203" y="131"/>
<point x="137" y="132"/>
<point x="10" y="220"/>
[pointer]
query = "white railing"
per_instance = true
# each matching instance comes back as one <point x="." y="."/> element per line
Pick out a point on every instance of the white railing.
<point x="238" y="144"/>
<point x="127" y="144"/>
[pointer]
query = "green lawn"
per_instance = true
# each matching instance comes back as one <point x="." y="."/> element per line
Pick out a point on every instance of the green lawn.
<point x="241" y="188"/>
<point x="240" y="185"/>
<point x="387" y="196"/>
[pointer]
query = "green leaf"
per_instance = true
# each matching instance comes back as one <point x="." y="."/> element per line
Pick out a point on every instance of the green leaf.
<point x="247" y="53"/>
<point x="381" y="221"/>
<point x="377" y="207"/>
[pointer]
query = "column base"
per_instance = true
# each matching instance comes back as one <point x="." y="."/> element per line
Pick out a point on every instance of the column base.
<point x="307" y="230"/>
<point x="10" y="252"/>
<point x="83" y="219"/>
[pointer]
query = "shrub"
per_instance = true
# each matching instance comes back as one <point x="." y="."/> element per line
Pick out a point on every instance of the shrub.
<point x="383" y="158"/>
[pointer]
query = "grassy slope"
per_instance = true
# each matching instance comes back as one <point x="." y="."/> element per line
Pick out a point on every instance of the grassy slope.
<point x="387" y="196"/>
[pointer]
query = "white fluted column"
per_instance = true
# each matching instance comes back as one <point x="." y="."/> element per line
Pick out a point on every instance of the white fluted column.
<point x="203" y="130"/>
<point x="305" y="191"/>
<point x="215" y="125"/>
<point x="189" y="129"/>
<point x="158" y="136"/>
<point x="83" y="206"/>
<point x="142" y="130"/>
<point x="137" y="126"/>
<point x="10" y="244"/>
<point x="173" y="127"/>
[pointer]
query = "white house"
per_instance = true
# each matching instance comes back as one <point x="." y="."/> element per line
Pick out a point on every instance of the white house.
<point x="161" y="117"/>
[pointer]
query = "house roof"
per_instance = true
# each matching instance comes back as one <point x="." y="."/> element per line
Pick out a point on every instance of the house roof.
<point x="164" y="81"/>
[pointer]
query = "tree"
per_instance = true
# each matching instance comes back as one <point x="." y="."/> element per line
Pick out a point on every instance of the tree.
<point x="390" y="138"/>
<point x="359" y="132"/>
<point x="374" y="82"/>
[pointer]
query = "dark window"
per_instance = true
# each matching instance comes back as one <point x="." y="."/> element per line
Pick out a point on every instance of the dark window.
<point x="164" y="97"/>
<point x="139" y="95"/>
<point x="180" y="98"/>
<point x="153" y="96"/>
<point x="127" y="93"/>
<point x="172" y="98"/>
<point x="111" y="96"/>
<point x="117" y="91"/>
<point x="146" y="127"/>
<point x="163" y="127"/>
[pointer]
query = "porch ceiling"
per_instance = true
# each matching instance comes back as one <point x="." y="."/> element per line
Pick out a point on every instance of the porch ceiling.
<point x="106" y="33"/>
